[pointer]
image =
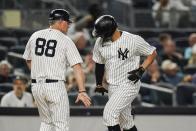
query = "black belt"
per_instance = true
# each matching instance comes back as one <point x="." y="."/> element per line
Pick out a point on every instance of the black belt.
<point x="46" y="81"/>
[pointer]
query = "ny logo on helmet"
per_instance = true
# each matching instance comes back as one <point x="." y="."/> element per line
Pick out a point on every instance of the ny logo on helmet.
<point x="123" y="54"/>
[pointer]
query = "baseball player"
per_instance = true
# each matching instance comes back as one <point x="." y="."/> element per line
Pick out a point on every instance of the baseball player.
<point x="117" y="56"/>
<point x="48" y="53"/>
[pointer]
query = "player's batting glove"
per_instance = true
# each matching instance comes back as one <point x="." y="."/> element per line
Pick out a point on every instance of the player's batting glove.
<point x="135" y="75"/>
<point x="101" y="89"/>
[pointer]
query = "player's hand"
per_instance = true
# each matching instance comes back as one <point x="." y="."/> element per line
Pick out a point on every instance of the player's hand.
<point x="84" y="98"/>
<point x="101" y="89"/>
<point x="135" y="75"/>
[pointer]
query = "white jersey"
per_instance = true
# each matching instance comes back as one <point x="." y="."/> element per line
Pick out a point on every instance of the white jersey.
<point x="11" y="100"/>
<point x="121" y="56"/>
<point x="50" y="52"/>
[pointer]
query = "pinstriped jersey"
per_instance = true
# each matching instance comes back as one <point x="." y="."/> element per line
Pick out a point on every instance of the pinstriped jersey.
<point x="50" y="52"/>
<point x="121" y="56"/>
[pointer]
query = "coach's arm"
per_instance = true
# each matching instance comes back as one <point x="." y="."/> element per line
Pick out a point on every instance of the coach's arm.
<point x="79" y="75"/>
<point x="28" y="64"/>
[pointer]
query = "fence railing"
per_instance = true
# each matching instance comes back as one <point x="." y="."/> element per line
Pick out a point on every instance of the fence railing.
<point x="127" y="17"/>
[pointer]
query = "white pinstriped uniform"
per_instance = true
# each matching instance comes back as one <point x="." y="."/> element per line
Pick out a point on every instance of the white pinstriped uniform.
<point x="50" y="52"/>
<point x="120" y="57"/>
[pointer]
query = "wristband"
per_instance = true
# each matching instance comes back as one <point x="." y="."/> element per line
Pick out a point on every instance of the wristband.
<point x="82" y="91"/>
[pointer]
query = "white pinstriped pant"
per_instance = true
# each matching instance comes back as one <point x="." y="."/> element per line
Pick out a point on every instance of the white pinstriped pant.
<point x="53" y="105"/>
<point x="118" y="108"/>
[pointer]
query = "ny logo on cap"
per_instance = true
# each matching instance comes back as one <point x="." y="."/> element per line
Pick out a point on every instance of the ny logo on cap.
<point x="123" y="54"/>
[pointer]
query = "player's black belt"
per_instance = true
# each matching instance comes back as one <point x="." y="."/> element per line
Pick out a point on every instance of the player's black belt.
<point x="46" y="81"/>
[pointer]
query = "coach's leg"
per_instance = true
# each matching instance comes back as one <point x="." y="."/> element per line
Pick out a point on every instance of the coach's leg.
<point x="58" y="105"/>
<point x="38" y="94"/>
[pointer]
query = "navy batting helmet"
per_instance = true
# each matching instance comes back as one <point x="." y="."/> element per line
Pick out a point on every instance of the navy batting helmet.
<point x="59" y="14"/>
<point x="104" y="27"/>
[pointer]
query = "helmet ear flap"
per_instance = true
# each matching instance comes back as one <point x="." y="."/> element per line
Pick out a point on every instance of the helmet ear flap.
<point x="104" y="27"/>
<point x="94" y="33"/>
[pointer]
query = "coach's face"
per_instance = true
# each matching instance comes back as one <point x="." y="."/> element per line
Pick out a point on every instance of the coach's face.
<point x="64" y="25"/>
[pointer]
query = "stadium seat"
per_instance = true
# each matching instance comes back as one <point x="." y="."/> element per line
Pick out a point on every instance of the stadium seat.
<point x="184" y="93"/>
<point x="17" y="49"/>
<point x="8" y="41"/>
<point x="191" y="69"/>
<point x="5" y="33"/>
<point x="155" y="97"/>
<point x="23" y="40"/>
<point x="3" y="53"/>
<point x="99" y="100"/>
<point x="194" y="99"/>
<point x="182" y="42"/>
<point x="1" y="95"/>
<point x="6" y="87"/>
<point x="16" y="61"/>
<point x="21" y="33"/>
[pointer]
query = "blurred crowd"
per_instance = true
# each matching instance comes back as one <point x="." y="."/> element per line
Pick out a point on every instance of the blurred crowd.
<point x="175" y="65"/>
<point x="171" y="13"/>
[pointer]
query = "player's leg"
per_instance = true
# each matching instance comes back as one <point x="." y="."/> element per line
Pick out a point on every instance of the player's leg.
<point x="118" y="101"/>
<point x="58" y="105"/>
<point x="126" y="120"/>
<point x="46" y="121"/>
<point x="126" y="117"/>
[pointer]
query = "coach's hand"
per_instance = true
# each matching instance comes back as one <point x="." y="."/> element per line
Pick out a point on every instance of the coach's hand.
<point x="136" y="75"/>
<point x="101" y="89"/>
<point x="82" y="96"/>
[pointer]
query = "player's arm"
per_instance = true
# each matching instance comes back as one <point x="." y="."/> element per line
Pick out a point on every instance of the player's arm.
<point x="149" y="60"/>
<point x="142" y="49"/>
<point x="99" y="76"/>
<point x="99" y="73"/>
<point x="99" y="69"/>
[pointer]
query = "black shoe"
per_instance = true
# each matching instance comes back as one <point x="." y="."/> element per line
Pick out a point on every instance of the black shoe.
<point x="114" y="128"/>
<point x="132" y="129"/>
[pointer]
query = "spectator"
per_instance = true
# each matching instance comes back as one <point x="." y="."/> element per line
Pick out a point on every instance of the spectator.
<point x="80" y="42"/>
<point x="71" y="82"/>
<point x="152" y="74"/>
<point x="80" y="26"/>
<point x="164" y="37"/>
<point x="87" y="21"/>
<point x="88" y="67"/>
<point x="18" y="97"/>
<point x="5" y="69"/>
<point x="194" y="79"/>
<point x="192" y="60"/>
<point x="188" y="50"/>
<point x="162" y="15"/>
<point x="169" y="52"/>
<point x="171" y="73"/>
